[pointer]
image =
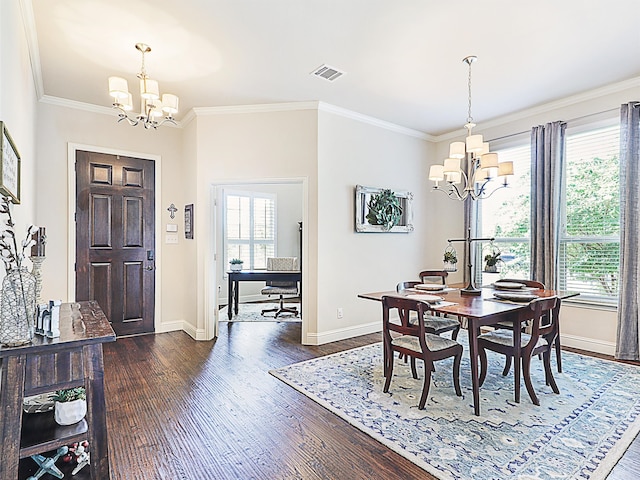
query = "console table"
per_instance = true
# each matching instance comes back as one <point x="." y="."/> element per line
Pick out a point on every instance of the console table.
<point x="257" y="276"/>
<point x="48" y="364"/>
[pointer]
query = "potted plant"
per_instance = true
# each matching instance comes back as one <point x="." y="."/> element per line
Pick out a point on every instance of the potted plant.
<point x="235" y="264"/>
<point x="70" y="405"/>
<point x="450" y="259"/>
<point x="491" y="262"/>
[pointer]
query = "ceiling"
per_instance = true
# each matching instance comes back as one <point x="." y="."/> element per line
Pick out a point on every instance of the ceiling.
<point x="402" y="59"/>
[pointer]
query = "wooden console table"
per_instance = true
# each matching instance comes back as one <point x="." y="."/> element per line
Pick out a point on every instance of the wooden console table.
<point x="48" y="364"/>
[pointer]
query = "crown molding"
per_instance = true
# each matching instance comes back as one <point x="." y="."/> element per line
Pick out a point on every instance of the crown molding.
<point x="29" y="23"/>
<point x="343" y="112"/>
<point x="549" y="107"/>
<point x="257" y="108"/>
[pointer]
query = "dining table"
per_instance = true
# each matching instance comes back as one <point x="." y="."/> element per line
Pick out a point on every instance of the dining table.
<point x="479" y="310"/>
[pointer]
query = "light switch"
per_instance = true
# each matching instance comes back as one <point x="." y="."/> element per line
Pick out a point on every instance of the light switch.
<point x="172" y="227"/>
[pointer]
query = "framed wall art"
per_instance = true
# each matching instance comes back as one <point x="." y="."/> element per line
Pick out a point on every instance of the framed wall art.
<point x="188" y="221"/>
<point x="9" y="166"/>
<point x="380" y="210"/>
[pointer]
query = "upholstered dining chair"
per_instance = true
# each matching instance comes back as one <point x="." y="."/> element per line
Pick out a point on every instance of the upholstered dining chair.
<point x="540" y="341"/>
<point x="413" y="340"/>
<point x="433" y="323"/>
<point x="281" y="288"/>
<point x="508" y="325"/>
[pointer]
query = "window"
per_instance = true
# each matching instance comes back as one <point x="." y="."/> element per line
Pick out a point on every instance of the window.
<point x="590" y="232"/>
<point x="505" y="215"/>
<point x="249" y="227"/>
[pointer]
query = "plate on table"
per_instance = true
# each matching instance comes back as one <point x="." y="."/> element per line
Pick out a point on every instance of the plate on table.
<point x="423" y="297"/>
<point x="516" y="297"/>
<point x="429" y="287"/>
<point x="508" y="285"/>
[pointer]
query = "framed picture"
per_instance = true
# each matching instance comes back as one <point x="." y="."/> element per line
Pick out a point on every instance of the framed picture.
<point x="401" y="219"/>
<point x="188" y="221"/>
<point x="9" y="166"/>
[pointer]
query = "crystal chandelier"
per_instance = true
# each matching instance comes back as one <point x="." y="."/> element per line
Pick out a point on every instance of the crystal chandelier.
<point x="153" y="111"/>
<point x="481" y="167"/>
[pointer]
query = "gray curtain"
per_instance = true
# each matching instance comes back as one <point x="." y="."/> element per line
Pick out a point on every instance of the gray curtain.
<point x="627" y="344"/>
<point x="547" y="167"/>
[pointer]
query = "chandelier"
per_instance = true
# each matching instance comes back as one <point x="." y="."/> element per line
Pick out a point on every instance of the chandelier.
<point x="153" y="111"/>
<point x="471" y="177"/>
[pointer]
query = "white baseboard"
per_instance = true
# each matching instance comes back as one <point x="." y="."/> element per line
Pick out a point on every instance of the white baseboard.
<point x="588" y="344"/>
<point x="193" y="332"/>
<point x="342" y="333"/>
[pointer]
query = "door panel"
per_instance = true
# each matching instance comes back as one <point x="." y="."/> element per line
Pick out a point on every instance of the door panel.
<point x="115" y="228"/>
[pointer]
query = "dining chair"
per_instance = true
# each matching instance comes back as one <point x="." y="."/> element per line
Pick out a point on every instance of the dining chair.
<point x="509" y="325"/>
<point x="281" y="288"/>
<point x="414" y="341"/>
<point x="433" y="322"/>
<point x="433" y="276"/>
<point x="540" y="341"/>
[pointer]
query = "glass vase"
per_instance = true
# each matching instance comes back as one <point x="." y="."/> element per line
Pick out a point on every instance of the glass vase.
<point x="17" y="308"/>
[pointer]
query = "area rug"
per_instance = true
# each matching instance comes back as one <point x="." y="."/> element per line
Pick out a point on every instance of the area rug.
<point x="579" y="434"/>
<point x="250" y="312"/>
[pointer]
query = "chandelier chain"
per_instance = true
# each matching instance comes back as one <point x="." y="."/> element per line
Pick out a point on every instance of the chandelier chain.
<point x="469" y="117"/>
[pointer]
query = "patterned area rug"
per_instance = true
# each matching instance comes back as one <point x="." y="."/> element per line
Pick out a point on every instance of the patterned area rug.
<point x="579" y="434"/>
<point x="250" y="312"/>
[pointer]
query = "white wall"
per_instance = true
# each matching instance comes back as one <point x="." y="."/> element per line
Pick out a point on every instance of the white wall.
<point x="583" y="326"/>
<point x="18" y="107"/>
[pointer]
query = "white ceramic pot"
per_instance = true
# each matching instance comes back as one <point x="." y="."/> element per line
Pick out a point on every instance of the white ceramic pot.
<point x="68" y="413"/>
<point x="236" y="267"/>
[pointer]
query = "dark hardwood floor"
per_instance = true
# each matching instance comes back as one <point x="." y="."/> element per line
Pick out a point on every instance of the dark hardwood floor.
<point x="181" y="409"/>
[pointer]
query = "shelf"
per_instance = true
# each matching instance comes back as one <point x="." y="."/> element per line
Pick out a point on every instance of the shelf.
<point x="41" y="432"/>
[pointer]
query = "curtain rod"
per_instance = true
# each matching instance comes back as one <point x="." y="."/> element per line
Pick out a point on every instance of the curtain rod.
<point x="566" y="121"/>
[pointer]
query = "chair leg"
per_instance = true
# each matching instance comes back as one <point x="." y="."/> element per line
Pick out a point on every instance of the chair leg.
<point x="454" y="333"/>
<point x="414" y="371"/>
<point x="548" y="372"/>
<point x="427" y="384"/>
<point x="558" y="354"/>
<point x="507" y="366"/>
<point x="483" y="365"/>
<point x="388" y="372"/>
<point x="526" y="368"/>
<point x="456" y="373"/>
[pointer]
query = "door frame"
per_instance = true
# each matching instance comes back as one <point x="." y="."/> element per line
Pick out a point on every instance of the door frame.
<point x="71" y="224"/>
<point x="213" y="278"/>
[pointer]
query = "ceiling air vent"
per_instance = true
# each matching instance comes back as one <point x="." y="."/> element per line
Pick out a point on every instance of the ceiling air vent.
<point x="327" y="72"/>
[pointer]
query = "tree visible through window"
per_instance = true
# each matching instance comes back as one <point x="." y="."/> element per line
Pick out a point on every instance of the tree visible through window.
<point x="250" y="227"/>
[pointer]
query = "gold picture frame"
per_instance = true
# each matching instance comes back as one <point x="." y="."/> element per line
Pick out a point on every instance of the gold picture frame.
<point x="9" y="166"/>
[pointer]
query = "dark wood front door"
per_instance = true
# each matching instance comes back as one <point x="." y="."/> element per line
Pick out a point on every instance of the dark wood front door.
<point x="115" y="238"/>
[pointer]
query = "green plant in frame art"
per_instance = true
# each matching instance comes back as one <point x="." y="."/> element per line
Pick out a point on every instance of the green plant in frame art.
<point x="384" y="209"/>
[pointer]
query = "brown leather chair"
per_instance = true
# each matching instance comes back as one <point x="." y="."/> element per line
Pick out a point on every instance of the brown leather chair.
<point x="540" y="341"/>
<point x="414" y="341"/>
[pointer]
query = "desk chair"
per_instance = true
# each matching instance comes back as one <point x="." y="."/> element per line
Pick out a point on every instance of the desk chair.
<point x="415" y="342"/>
<point x="281" y="288"/>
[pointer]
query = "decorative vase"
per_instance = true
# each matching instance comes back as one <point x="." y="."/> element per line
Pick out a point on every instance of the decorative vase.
<point x="68" y="413"/>
<point x="236" y="267"/>
<point x="491" y="268"/>
<point x="17" y="308"/>
<point x="450" y="267"/>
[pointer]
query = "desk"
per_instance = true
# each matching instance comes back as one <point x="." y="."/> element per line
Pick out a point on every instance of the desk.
<point x="48" y="364"/>
<point x="257" y="276"/>
<point x="480" y="312"/>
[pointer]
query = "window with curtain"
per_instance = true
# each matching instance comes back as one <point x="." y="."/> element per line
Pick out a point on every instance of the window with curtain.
<point x="590" y="232"/>
<point x="249" y="228"/>
<point x="505" y="215"/>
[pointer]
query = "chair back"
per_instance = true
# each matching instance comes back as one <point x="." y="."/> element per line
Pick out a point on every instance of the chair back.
<point x="543" y="314"/>
<point x="528" y="283"/>
<point x="404" y="306"/>
<point x="433" y="276"/>
<point x="282" y="264"/>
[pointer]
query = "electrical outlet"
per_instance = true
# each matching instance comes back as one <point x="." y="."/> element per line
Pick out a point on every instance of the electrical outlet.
<point x="339" y="313"/>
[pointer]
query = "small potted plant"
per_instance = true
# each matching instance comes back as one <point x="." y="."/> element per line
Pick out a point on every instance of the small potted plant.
<point x="235" y="264"/>
<point x="491" y="262"/>
<point x="70" y="405"/>
<point x="450" y="259"/>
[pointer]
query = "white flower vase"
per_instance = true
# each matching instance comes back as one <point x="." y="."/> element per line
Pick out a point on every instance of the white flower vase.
<point x="236" y="267"/>
<point x="17" y="308"/>
<point x="450" y="267"/>
<point x="68" y="413"/>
